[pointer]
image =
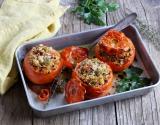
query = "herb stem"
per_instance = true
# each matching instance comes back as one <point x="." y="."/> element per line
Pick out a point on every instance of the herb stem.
<point x="87" y="3"/>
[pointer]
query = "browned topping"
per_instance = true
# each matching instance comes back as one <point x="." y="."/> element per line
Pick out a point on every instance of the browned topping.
<point x="43" y="58"/>
<point x="117" y="59"/>
<point x="93" y="72"/>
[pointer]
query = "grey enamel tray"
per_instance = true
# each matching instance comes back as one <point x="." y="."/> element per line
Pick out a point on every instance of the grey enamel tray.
<point x="57" y="104"/>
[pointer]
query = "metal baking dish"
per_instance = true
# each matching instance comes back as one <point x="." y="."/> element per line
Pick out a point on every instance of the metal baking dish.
<point x="57" y="104"/>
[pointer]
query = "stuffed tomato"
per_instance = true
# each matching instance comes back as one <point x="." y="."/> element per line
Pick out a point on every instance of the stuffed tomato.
<point x="42" y="64"/>
<point x="116" y="49"/>
<point x="95" y="75"/>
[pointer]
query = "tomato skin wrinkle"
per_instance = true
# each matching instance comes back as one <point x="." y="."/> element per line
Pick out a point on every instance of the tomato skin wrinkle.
<point x="73" y="55"/>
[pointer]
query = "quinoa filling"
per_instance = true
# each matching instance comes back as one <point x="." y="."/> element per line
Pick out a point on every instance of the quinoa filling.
<point x="44" y="59"/>
<point x="93" y="72"/>
<point x="117" y="59"/>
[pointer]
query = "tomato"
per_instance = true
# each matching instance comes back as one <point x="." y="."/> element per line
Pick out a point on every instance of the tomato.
<point x="38" y="77"/>
<point x="92" y="91"/>
<point x="116" y="50"/>
<point x="113" y="42"/>
<point x="44" y="95"/>
<point x="73" y="55"/>
<point x="74" y="91"/>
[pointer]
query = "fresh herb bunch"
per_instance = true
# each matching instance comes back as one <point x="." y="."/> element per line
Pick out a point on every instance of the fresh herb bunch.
<point x="93" y="11"/>
<point x="132" y="80"/>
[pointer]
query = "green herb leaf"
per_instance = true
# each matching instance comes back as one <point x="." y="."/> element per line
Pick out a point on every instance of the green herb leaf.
<point x="133" y="71"/>
<point x="93" y="11"/>
<point x="133" y="80"/>
<point x="112" y="7"/>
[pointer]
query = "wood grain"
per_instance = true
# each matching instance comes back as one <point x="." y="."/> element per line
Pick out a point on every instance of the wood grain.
<point x="14" y="109"/>
<point x="143" y="110"/>
<point x="139" y="110"/>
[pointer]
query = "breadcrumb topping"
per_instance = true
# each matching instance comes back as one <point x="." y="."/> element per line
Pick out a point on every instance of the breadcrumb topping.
<point x="93" y="72"/>
<point x="44" y="58"/>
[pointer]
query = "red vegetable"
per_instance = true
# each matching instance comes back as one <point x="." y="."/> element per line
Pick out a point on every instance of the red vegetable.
<point x="116" y="49"/>
<point x="44" y="95"/>
<point x="73" y="55"/>
<point x="95" y="91"/>
<point x="74" y="91"/>
<point x="38" y="76"/>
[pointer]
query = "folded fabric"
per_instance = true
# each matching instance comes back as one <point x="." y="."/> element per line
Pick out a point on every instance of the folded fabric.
<point x="20" y="21"/>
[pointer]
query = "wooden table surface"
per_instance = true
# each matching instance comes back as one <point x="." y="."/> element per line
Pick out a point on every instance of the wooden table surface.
<point x="142" y="110"/>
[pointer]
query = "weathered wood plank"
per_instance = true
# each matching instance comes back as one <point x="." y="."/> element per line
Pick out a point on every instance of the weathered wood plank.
<point x="140" y="110"/>
<point x="152" y="19"/>
<point x="14" y="108"/>
<point x="153" y="3"/>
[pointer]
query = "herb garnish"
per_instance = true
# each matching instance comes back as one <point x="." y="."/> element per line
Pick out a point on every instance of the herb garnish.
<point x="93" y="11"/>
<point x="132" y="79"/>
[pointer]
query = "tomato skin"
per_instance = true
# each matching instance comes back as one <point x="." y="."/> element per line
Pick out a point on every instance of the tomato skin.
<point x="74" y="91"/>
<point x="115" y="67"/>
<point x="39" y="77"/>
<point x="44" y="95"/>
<point x="73" y="55"/>
<point x="118" y="50"/>
<point x="94" y="92"/>
<point x="113" y="42"/>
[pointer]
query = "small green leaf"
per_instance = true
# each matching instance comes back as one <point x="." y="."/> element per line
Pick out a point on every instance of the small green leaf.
<point x="93" y="11"/>
<point x="132" y="80"/>
<point x="133" y="71"/>
<point x="147" y="81"/>
<point x="78" y="9"/>
<point x="98" y="21"/>
<point x="112" y="6"/>
<point x="104" y="8"/>
<point x="87" y="18"/>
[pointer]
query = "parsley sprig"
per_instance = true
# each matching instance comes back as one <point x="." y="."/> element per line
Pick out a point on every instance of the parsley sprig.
<point x="132" y="79"/>
<point x="93" y="11"/>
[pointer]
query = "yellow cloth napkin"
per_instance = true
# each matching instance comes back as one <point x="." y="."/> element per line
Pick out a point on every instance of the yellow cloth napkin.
<point x="22" y="20"/>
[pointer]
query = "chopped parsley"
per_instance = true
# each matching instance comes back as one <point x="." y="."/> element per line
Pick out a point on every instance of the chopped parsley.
<point x="131" y="79"/>
<point x="93" y="11"/>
